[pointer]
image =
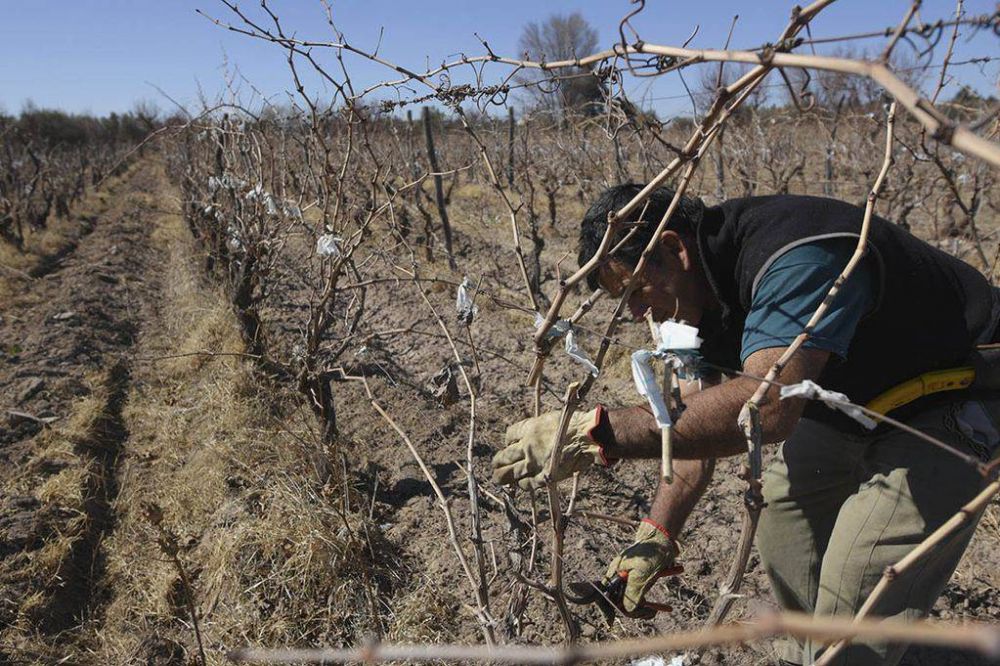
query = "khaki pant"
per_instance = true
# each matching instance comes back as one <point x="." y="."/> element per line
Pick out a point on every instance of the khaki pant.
<point x="841" y="508"/>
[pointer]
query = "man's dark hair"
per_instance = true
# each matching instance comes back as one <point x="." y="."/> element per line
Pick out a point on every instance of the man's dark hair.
<point x="684" y="221"/>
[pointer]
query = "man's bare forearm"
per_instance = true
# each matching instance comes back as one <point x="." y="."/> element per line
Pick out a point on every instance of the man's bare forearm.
<point x="706" y="429"/>
<point x="675" y="501"/>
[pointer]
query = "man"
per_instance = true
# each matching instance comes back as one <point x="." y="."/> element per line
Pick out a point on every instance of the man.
<point x="842" y="502"/>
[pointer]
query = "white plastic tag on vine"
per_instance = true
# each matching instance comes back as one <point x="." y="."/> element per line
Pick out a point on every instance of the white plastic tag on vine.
<point x="559" y="329"/>
<point x="677" y="335"/>
<point x="577" y="354"/>
<point x="234" y="239"/>
<point x="328" y="245"/>
<point x="464" y="306"/>
<point x="226" y="181"/>
<point x="832" y="399"/>
<point x="272" y="208"/>
<point x="647" y="386"/>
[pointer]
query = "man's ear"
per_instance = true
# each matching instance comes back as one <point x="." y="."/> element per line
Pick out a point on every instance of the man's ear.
<point x="673" y="244"/>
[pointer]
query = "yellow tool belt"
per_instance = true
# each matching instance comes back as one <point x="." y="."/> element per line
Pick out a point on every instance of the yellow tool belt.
<point x="952" y="379"/>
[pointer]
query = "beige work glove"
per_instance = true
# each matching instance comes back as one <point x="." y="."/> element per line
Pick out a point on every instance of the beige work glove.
<point x="528" y="444"/>
<point x="651" y="557"/>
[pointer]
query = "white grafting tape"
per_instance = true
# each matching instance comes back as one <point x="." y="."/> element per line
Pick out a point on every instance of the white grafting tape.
<point x="832" y="399"/>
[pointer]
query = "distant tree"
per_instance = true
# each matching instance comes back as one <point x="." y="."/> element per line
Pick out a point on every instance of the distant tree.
<point x="55" y="128"/>
<point x="569" y="89"/>
<point x="968" y="104"/>
<point x="147" y="113"/>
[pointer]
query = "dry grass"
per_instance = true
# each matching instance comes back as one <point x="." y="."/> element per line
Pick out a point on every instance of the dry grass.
<point x="426" y="613"/>
<point x="274" y="558"/>
<point x="41" y="581"/>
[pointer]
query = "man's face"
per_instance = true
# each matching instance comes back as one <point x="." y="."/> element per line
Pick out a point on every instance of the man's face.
<point x="654" y="291"/>
<point x="670" y="286"/>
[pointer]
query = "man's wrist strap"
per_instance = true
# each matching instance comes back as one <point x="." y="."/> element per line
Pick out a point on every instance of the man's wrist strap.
<point x="660" y="528"/>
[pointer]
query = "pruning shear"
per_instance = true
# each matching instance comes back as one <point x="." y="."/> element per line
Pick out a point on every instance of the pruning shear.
<point x="610" y="597"/>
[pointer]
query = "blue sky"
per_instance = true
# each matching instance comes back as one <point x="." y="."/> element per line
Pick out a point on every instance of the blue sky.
<point x="104" y="55"/>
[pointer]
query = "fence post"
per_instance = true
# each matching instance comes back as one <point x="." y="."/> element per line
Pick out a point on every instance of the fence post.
<point x="438" y="186"/>
<point x="412" y="152"/>
<point x="510" y="146"/>
<point x="720" y="168"/>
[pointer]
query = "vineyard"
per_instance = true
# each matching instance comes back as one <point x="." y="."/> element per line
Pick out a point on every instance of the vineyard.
<point x="257" y="359"/>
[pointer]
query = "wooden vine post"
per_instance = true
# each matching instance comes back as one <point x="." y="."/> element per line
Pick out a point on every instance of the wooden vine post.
<point x="438" y="187"/>
<point x="510" y="146"/>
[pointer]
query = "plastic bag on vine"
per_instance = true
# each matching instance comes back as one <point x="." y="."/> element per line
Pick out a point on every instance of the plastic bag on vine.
<point x="646" y="385"/>
<point x="577" y="354"/>
<point x="328" y="245"/>
<point x="464" y="305"/>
